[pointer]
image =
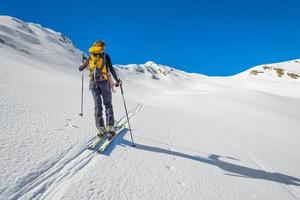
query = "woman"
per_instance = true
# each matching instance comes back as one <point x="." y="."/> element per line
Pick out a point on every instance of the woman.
<point x="100" y="67"/>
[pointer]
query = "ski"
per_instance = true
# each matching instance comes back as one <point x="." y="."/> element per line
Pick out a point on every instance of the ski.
<point x="96" y="142"/>
<point x="107" y="141"/>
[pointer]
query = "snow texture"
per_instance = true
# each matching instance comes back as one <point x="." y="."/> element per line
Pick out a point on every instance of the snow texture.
<point x="197" y="137"/>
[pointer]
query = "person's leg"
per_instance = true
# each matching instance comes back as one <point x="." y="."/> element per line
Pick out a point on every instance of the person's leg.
<point x="96" y="92"/>
<point x="107" y="100"/>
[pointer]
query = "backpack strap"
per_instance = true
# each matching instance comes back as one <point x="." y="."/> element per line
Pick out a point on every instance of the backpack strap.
<point x="104" y="60"/>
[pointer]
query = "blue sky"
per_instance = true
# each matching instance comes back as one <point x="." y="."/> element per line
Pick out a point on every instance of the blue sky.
<point x="221" y="37"/>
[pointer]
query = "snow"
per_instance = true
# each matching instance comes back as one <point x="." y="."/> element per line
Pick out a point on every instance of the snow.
<point x="197" y="137"/>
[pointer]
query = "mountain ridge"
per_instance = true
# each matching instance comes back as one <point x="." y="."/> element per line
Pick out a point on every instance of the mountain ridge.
<point x="13" y="31"/>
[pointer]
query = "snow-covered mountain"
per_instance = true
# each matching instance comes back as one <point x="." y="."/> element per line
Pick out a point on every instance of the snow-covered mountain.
<point x="32" y="41"/>
<point x="284" y="71"/>
<point x="198" y="137"/>
<point x="277" y="78"/>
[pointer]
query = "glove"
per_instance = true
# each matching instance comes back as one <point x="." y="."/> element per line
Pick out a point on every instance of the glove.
<point x="119" y="82"/>
<point x="82" y="67"/>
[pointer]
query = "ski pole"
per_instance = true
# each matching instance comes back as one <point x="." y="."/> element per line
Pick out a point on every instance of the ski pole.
<point x="132" y="143"/>
<point x="82" y="78"/>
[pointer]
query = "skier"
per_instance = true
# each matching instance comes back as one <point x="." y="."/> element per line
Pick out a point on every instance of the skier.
<point x="101" y="86"/>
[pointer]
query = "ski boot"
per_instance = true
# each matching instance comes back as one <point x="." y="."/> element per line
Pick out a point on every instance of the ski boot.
<point x="101" y="131"/>
<point x="111" y="132"/>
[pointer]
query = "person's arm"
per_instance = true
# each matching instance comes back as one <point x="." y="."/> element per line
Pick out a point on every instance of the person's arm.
<point x="111" y="68"/>
<point x="84" y="65"/>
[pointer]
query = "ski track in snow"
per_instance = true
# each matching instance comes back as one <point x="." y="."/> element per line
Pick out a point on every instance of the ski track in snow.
<point x="45" y="183"/>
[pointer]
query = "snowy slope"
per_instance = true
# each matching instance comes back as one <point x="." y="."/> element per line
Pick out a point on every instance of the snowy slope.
<point x="197" y="137"/>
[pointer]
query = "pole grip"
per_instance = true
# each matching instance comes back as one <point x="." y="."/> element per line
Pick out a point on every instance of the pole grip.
<point x="83" y="58"/>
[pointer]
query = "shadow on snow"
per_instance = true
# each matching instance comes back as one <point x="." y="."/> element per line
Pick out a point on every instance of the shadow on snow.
<point x="214" y="160"/>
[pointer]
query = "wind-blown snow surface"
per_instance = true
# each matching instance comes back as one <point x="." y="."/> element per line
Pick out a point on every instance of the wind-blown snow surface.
<point x="197" y="137"/>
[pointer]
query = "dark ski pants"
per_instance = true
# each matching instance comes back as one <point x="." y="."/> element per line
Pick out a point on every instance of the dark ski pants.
<point x="101" y="91"/>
